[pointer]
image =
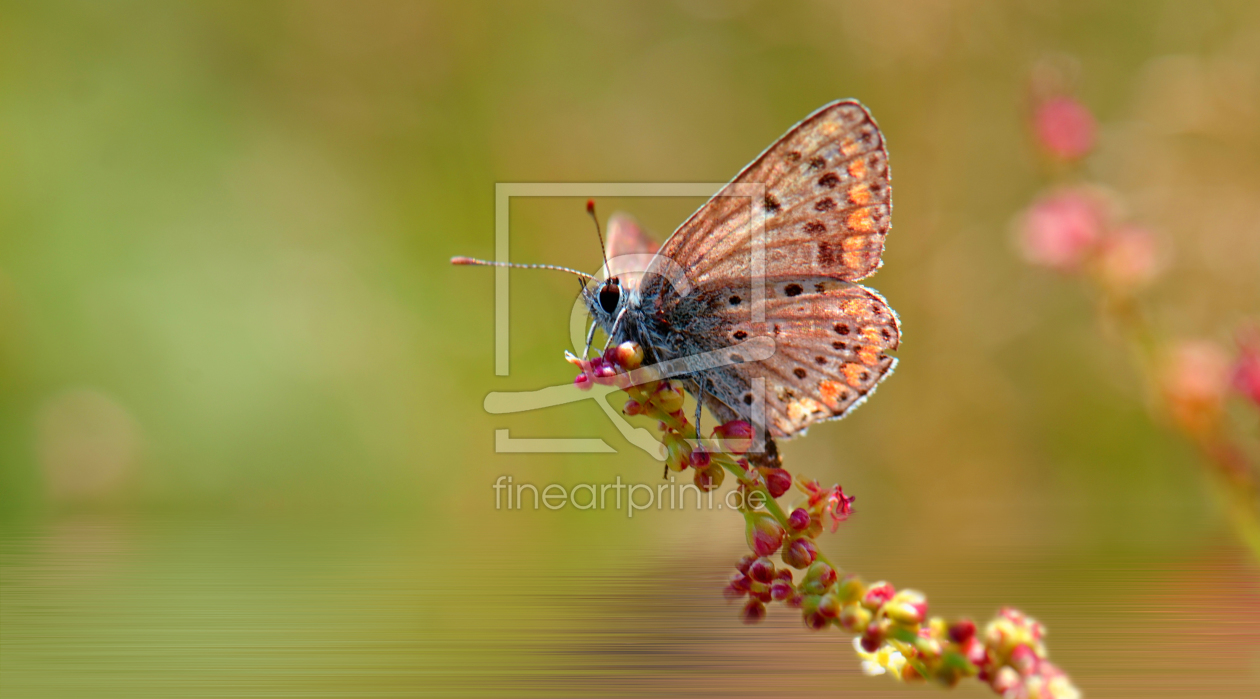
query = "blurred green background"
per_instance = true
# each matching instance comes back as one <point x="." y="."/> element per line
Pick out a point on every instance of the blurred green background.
<point x="242" y="444"/>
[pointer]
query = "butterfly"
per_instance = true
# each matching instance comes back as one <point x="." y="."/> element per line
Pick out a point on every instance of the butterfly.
<point x="779" y="267"/>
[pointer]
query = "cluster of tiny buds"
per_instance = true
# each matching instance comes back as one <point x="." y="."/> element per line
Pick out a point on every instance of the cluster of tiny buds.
<point x="894" y="633"/>
<point x="896" y="636"/>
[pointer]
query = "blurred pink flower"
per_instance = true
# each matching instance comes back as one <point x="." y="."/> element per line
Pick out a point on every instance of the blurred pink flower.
<point x="1246" y="373"/>
<point x="1061" y="230"/>
<point x="1065" y="128"/>
<point x="1194" y="380"/>
<point x="1128" y="258"/>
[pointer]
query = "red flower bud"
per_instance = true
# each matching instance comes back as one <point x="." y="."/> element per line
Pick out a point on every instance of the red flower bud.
<point x="745" y="562"/>
<point x="799" y="519"/>
<point x="962" y="630"/>
<point x="829" y="606"/>
<point x="731" y="592"/>
<point x="800" y="553"/>
<point x="583" y="381"/>
<point x="781" y="590"/>
<point x="754" y="612"/>
<point x="815" y="621"/>
<point x="778" y="481"/>
<point x="871" y="643"/>
<point x="824" y="574"/>
<point x="736" y="436"/>
<point x="762" y="570"/>
<point x="700" y="459"/>
<point x="877" y="595"/>
<point x="632" y="407"/>
<point x="764" y="534"/>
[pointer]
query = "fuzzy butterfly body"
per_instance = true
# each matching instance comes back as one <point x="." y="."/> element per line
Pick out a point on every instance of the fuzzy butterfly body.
<point x="780" y="264"/>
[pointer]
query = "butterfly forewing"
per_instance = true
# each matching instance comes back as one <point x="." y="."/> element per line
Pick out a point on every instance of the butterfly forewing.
<point x="825" y="208"/>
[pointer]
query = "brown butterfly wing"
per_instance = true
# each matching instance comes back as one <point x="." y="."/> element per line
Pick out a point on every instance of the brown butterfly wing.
<point x="831" y="337"/>
<point x="824" y="205"/>
<point x="827" y="205"/>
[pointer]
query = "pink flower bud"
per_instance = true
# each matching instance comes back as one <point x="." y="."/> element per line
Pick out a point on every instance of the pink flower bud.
<point x="1006" y="682"/>
<point x="745" y="562"/>
<point x="799" y="519"/>
<point x="908" y="607"/>
<point x="1195" y="380"/>
<point x="829" y="606"/>
<point x="736" y="436"/>
<point x="632" y="407"/>
<point x="584" y="381"/>
<point x="754" y="612"/>
<point x="700" y="459"/>
<point x="1246" y="372"/>
<point x="1024" y="660"/>
<point x="741" y="582"/>
<point x="1065" y="128"/>
<point x="821" y="573"/>
<point x="1062" y="229"/>
<point x="762" y="570"/>
<point x="878" y="595"/>
<point x="778" y="481"/>
<point x="781" y="590"/>
<point x="814" y="621"/>
<point x="764" y="534"/>
<point x="800" y="553"/>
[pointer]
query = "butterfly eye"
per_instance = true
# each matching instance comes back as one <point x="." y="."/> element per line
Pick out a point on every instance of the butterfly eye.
<point x="609" y="295"/>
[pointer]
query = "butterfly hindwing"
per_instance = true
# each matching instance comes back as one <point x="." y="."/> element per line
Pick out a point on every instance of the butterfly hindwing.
<point x="831" y="340"/>
<point x="630" y="250"/>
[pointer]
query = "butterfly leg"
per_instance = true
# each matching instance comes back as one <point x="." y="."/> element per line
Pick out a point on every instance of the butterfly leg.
<point x="590" y="337"/>
<point x="613" y="331"/>
<point x="699" y="405"/>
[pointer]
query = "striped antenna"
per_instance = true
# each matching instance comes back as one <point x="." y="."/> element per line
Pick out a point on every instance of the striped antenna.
<point x="496" y="263"/>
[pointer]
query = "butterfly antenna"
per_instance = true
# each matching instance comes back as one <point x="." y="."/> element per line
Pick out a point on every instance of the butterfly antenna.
<point x="519" y="265"/>
<point x="590" y="209"/>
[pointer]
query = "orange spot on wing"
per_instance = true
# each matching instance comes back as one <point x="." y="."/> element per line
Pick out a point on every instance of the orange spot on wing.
<point x="860" y="220"/>
<point x="830" y="391"/>
<point x="853" y="373"/>
<point x="868" y="356"/>
<point x="857" y="169"/>
<point x="856" y="242"/>
<point x="860" y="194"/>
<point x="849" y="147"/>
